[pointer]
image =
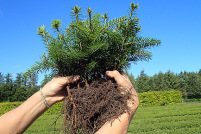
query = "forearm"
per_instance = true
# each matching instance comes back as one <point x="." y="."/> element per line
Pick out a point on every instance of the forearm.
<point x="120" y="125"/>
<point x="19" y="119"/>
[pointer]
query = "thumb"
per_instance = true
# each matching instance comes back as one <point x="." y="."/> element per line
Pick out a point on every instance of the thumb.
<point x="117" y="76"/>
<point x="70" y="79"/>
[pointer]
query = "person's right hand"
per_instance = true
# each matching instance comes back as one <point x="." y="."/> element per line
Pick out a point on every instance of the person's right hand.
<point x="121" y="125"/>
<point x="122" y="79"/>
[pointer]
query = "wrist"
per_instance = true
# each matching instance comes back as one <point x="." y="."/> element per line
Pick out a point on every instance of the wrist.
<point x="49" y="97"/>
<point x="45" y="100"/>
<point x="51" y="100"/>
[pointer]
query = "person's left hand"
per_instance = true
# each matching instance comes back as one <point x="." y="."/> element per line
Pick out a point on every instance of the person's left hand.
<point x="55" y="90"/>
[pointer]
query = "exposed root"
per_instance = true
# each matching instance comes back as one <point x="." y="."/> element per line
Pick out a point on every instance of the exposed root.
<point x="86" y="110"/>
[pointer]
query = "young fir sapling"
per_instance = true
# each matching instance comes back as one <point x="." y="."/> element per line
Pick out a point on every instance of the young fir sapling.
<point x="89" y="48"/>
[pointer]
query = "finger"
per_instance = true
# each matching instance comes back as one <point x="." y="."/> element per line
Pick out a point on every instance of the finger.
<point x="124" y="75"/>
<point x="117" y="76"/>
<point x="126" y="78"/>
<point x="69" y="79"/>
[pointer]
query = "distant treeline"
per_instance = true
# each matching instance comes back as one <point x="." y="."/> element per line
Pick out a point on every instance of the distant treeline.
<point x="189" y="83"/>
<point x="19" y="88"/>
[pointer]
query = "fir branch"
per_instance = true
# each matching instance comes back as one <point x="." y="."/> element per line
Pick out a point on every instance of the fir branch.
<point x="105" y="17"/>
<point x="80" y="30"/>
<point x="116" y="21"/>
<point x="42" y="66"/>
<point x="89" y="12"/>
<point x="56" y="24"/>
<point x="144" y="43"/>
<point x="43" y="33"/>
<point x="133" y="7"/>
<point x="75" y="12"/>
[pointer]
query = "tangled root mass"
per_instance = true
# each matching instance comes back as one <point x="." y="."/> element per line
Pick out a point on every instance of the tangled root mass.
<point x="87" y="110"/>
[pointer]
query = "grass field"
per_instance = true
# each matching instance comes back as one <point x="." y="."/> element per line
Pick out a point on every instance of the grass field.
<point x="182" y="118"/>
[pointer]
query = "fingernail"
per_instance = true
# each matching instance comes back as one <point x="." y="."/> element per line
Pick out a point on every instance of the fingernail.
<point x="107" y="72"/>
<point x="76" y="77"/>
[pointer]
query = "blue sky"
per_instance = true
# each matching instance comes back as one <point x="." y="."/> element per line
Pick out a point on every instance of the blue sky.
<point x="177" y="23"/>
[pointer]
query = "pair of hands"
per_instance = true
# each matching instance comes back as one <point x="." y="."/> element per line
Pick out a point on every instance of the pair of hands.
<point x="55" y="90"/>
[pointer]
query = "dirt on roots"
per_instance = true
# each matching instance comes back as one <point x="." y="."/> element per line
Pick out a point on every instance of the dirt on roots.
<point x="87" y="110"/>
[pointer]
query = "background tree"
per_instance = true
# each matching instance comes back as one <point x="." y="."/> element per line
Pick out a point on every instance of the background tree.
<point x="46" y="79"/>
<point x="1" y="78"/>
<point x="32" y="80"/>
<point x="193" y="88"/>
<point x="131" y="78"/>
<point x="159" y="81"/>
<point x="8" y="78"/>
<point x="183" y="84"/>
<point x="9" y="87"/>
<point x="32" y="86"/>
<point x="171" y="81"/>
<point x="142" y="82"/>
<point x="151" y="83"/>
<point x="18" y="80"/>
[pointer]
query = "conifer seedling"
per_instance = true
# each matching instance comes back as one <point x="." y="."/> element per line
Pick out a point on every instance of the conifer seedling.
<point x="89" y="47"/>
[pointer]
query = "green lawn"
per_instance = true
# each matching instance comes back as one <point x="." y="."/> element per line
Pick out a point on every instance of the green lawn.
<point x="171" y="119"/>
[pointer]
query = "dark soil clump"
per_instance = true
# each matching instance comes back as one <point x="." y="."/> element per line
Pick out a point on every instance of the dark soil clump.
<point x="87" y="109"/>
